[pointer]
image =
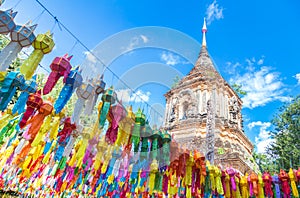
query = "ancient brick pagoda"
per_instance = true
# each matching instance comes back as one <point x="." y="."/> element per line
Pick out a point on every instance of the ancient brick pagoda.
<point x="204" y="113"/>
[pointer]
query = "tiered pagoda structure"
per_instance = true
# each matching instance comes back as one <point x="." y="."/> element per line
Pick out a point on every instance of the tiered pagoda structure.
<point x="204" y="113"/>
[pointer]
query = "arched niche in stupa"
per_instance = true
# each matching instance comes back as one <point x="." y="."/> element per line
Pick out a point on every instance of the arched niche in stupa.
<point x="187" y="104"/>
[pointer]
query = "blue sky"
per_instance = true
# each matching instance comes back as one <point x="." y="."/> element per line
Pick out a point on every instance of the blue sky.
<point x="147" y="43"/>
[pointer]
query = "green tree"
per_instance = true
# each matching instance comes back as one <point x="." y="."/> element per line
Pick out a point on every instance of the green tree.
<point x="286" y="135"/>
<point x="265" y="162"/>
<point x="238" y="89"/>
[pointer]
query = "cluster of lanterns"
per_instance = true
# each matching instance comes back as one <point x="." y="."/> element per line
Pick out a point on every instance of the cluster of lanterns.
<point x="46" y="153"/>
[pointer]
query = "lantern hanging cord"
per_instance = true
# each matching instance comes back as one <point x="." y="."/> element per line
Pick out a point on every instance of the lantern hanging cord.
<point x="37" y="18"/>
<point x="16" y="4"/>
<point x="61" y="25"/>
<point x="71" y="50"/>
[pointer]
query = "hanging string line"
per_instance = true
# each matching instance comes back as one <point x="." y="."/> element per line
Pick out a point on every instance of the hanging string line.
<point x="37" y="18"/>
<point x="71" y="50"/>
<point x="62" y="26"/>
<point x="16" y="4"/>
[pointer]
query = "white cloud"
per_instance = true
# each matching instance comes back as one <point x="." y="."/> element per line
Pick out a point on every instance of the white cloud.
<point x="297" y="76"/>
<point x="263" y="139"/>
<point x="214" y="12"/>
<point x="126" y="95"/>
<point x="136" y="41"/>
<point x="90" y="57"/>
<point x="170" y="58"/>
<point x="262" y="85"/>
<point x="145" y="38"/>
<point x="231" y="67"/>
<point x="260" y="61"/>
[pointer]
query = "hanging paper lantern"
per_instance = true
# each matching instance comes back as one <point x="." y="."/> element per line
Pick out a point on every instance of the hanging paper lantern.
<point x="108" y="98"/>
<point x="261" y="193"/>
<point x="83" y="93"/>
<point x="276" y="183"/>
<point x="74" y="135"/>
<point x="9" y="87"/>
<point x="60" y="66"/>
<point x="33" y="103"/>
<point x="218" y="182"/>
<point x="116" y="114"/>
<point x="63" y="139"/>
<point x="284" y="179"/>
<point x="267" y="179"/>
<point x="153" y="171"/>
<point x="125" y="128"/>
<point x="73" y="81"/>
<point x="43" y="44"/>
<point x="21" y="36"/>
<point x="66" y="131"/>
<point x="231" y="172"/>
<point x="200" y="170"/>
<point x="83" y="146"/>
<point x="9" y="129"/>
<point x="37" y="120"/>
<point x="99" y="86"/>
<point x="165" y="160"/>
<point x="145" y="137"/>
<point x="253" y="182"/>
<point x="29" y="87"/>
<point x="188" y="176"/>
<point x="7" y="23"/>
<point x="155" y="138"/>
<point x="136" y="132"/>
<point x="293" y="183"/>
<point x="90" y="153"/>
<point x="6" y="117"/>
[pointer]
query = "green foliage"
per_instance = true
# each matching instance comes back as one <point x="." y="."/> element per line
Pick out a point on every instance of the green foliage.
<point x="3" y="41"/>
<point x="238" y="89"/>
<point x="265" y="162"/>
<point x="286" y="146"/>
<point x="176" y="81"/>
